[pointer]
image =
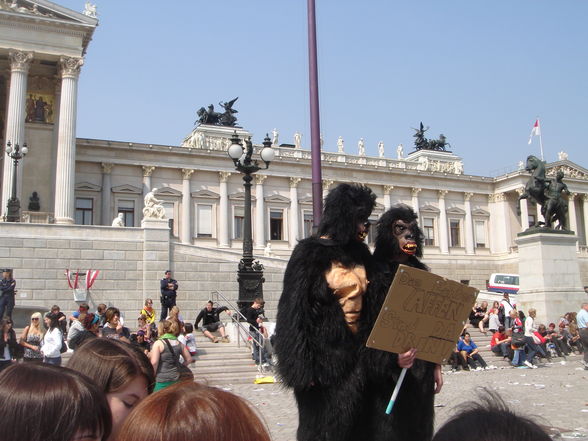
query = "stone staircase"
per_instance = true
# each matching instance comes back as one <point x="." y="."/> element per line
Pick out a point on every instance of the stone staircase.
<point x="483" y="342"/>
<point x="222" y="364"/>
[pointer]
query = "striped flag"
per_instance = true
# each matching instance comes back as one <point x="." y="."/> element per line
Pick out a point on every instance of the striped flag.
<point x="536" y="131"/>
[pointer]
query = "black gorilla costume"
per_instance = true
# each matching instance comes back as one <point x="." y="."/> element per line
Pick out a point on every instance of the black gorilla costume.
<point x="320" y="314"/>
<point x="398" y="240"/>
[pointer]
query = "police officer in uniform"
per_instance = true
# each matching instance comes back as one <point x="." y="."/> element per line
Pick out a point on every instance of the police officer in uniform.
<point x="7" y="293"/>
<point x="169" y="288"/>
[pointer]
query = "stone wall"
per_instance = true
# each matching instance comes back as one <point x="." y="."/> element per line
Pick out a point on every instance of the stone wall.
<point x="133" y="260"/>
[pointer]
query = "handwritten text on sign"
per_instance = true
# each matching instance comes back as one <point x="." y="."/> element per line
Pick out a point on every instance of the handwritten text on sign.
<point x="422" y="311"/>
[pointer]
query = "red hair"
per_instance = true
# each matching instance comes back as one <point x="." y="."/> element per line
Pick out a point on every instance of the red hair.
<point x="190" y="411"/>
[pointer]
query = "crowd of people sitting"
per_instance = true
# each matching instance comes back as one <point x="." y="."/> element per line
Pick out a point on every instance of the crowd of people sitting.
<point x="516" y="337"/>
<point x="112" y="367"/>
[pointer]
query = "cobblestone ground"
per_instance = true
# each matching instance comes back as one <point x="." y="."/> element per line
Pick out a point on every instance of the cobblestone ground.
<point x="555" y="395"/>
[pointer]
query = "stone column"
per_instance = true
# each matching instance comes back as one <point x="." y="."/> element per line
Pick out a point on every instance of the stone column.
<point x="585" y="208"/>
<point x="327" y="184"/>
<point x="415" y="200"/>
<point x="223" y="222"/>
<point x="106" y="190"/>
<point x="500" y="234"/>
<point x="294" y="214"/>
<point x="524" y="210"/>
<point x="469" y="227"/>
<point x="443" y="234"/>
<point x="66" y="145"/>
<point x="147" y="172"/>
<point x="540" y="217"/>
<point x="15" y="121"/>
<point x="259" y="212"/>
<point x="387" y="197"/>
<point x="572" y="212"/>
<point x="185" y="235"/>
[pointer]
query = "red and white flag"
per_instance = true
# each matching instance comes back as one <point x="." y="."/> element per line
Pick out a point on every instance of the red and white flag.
<point x="536" y="131"/>
<point x="91" y="277"/>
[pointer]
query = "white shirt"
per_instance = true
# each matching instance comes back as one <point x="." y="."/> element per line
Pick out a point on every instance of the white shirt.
<point x="52" y="343"/>
<point x="529" y="326"/>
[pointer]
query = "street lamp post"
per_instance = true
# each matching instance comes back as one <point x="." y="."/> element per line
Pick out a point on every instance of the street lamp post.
<point x="13" y="205"/>
<point x="250" y="274"/>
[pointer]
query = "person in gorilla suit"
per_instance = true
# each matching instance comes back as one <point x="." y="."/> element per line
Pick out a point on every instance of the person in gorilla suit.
<point x="399" y="240"/>
<point x="320" y="313"/>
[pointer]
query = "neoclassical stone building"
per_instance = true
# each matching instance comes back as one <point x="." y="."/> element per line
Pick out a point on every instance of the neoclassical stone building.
<point x="470" y="222"/>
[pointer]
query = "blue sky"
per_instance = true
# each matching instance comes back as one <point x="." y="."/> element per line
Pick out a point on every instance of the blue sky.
<point x="478" y="72"/>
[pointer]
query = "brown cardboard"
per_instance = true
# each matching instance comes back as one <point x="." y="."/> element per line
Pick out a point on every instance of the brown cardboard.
<point x="422" y="311"/>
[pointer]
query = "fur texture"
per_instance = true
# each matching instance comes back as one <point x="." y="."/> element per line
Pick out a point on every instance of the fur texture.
<point x="317" y="352"/>
<point x="412" y="417"/>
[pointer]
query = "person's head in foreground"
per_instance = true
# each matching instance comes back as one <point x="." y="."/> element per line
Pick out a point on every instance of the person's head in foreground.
<point x="189" y="411"/>
<point x="489" y="419"/>
<point x="41" y="402"/>
<point x="122" y="371"/>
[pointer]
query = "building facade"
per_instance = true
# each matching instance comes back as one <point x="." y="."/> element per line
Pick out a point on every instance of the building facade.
<point x="470" y="222"/>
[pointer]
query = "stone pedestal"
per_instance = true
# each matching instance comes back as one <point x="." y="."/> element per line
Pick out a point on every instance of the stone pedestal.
<point x="549" y="274"/>
<point x="156" y="255"/>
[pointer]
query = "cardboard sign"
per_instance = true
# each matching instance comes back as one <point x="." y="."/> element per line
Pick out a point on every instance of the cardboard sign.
<point x="422" y="311"/>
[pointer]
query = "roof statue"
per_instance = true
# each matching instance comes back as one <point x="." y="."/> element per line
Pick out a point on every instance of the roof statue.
<point x="422" y="143"/>
<point x="211" y="117"/>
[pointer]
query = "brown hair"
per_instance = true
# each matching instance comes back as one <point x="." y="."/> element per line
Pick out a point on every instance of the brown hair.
<point x="40" y="402"/>
<point x="110" y="313"/>
<point x="168" y="327"/>
<point x="112" y="364"/>
<point x="190" y="411"/>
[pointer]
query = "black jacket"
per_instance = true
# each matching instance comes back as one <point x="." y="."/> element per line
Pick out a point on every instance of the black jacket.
<point x="209" y="317"/>
<point x="7" y="287"/>
<point x="15" y="349"/>
<point x="167" y="293"/>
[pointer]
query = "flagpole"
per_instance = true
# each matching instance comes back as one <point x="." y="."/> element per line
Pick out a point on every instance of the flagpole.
<point x="540" y="139"/>
<point x="315" y="130"/>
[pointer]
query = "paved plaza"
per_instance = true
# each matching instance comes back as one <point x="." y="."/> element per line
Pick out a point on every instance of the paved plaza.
<point x="555" y="395"/>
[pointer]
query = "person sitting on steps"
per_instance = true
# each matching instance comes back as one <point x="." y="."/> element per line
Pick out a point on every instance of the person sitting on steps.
<point x="211" y="322"/>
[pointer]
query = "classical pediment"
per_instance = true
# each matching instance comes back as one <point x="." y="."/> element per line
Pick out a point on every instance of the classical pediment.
<point x="168" y="191"/>
<point x="205" y="194"/>
<point x="429" y="209"/>
<point x="456" y="211"/>
<point x="87" y="186"/>
<point x="277" y="198"/>
<point x="40" y="9"/>
<point x="480" y="212"/>
<point x="239" y="196"/>
<point x="127" y="189"/>
<point x="569" y="168"/>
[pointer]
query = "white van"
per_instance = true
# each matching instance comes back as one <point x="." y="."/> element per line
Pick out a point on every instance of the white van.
<point x="503" y="283"/>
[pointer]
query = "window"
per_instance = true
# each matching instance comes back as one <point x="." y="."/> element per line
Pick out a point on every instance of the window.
<point x="307" y="224"/>
<point x="276" y="224"/>
<point x="429" y="230"/>
<point x="480" y="232"/>
<point x="204" y="219"/>
<point x="454" y="232"/>
<point x="238" y="219"/>
<point x="84" y="211"/>
<point x="127" y="208"/>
